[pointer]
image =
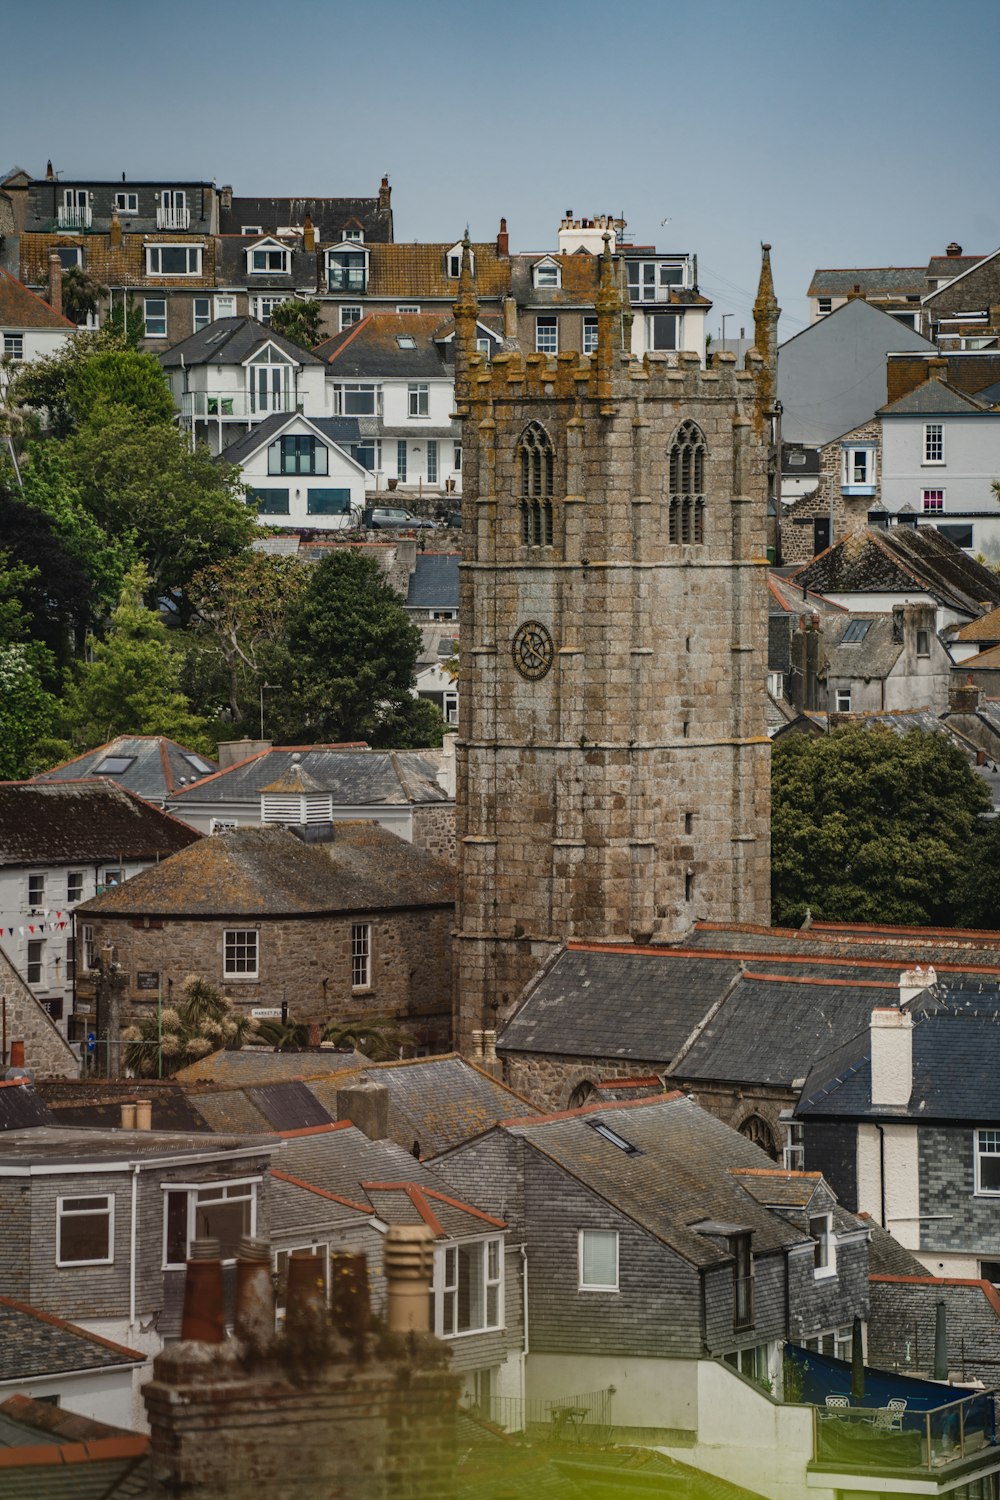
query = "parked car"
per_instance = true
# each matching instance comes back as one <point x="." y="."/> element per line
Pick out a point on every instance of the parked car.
<point x="384" y="517"/>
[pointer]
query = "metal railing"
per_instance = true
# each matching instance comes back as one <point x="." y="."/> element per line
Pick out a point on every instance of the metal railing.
<point x="921" y="1440"/>
<point x="73" y="218"/>
<point x="584" y="1417"/>
<point x="173" y="218"/>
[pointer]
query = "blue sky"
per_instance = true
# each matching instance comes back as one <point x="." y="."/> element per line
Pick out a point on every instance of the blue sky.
<point x="845" y="133"/>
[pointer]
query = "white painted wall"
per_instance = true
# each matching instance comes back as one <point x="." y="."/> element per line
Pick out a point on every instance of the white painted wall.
<point x="878" y="603"/>
<point x="17" y="919"/>
<point x="971" y="462"/>
<point x="748" y="1438"/>
<point x="101" y="1395"/>
<point x="648" y="1392"/>
<point x="342" y="473"/>
<point x="902" y="1180"/>
<point x="398" y="819"/>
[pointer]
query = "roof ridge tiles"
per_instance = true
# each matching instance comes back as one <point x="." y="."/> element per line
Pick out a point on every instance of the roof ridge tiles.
<point x="426" y="1191"/>
<point x="68" y="1326"/>
<point x="311" y="1187"/>
<point x="302" y="1130"/>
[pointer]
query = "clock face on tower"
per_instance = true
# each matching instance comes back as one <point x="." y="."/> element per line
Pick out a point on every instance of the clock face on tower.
<point x="532" y="650"/>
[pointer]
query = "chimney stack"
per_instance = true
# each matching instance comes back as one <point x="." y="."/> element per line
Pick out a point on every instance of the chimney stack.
<point x="308" y="235"/>
<point x="503" y="239"/>
<point x="203" y="1317"/>
<point x="115" y="230"/>
<point x="892" y="1056"/>
<point x="366" y="1105"/>
<point x="17" y="1054"/>
<point x="953" y="250"/>
<point x="384" y="195"/>
<point x="254" y="1320"/>
<point x="226" y="198"/>
<point x="55" y="281"/>
<point x="913" y="982"/>
<point x="965" y="697"/>
<point x="144" y="1114"/>
<point x="409" y="1269"/>
<point x="128" y="1115"/>
<point x="50" y="176"/>
<point x="937" y="369"/>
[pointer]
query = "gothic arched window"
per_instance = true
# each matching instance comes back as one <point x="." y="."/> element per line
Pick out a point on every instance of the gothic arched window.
<point x="537" y="464"/>
<point x="759" y="1131"/>
<point x="687" y="485"/>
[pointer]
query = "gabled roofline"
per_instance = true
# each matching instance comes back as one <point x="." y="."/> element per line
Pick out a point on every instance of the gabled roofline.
<point x="810" y="327"/>
<point x="47" y="305"/>
<point x="310" y="1187"/>
<point x="268" y="343"/>
<point x="981" y="261"/>
<point x="69" y="1327"/>
<point x="418" y="1193"/>
<point x="276" y="432"/>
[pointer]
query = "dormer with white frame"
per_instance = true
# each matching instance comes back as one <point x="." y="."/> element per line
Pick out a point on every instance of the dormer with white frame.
<point x="453" y="261"/>
<point x="546" y="274"/>
<point x="347" y="267"/>
<point x="268" y="257"/>
<point x="271" y="381"/>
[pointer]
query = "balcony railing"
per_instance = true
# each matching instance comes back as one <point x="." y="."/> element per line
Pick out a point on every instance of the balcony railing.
<point x="73" y="218"/>
<point x="214" y="406"/>
<point x="858" y="1438"/>
<point x="173" y="218"/>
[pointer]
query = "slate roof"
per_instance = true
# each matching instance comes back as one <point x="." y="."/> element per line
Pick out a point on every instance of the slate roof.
<point x="339" y="430"/>
<point x="434" y="581"/>
<point x="614" y="1003"/>
<point x="354" y="776"/>
<point x="98" y="1102"/>
<point x="371" y="348"/>
<point x="934" y="398"/>
<point x="870" y="658"/>
<point x="231" y="265"/>
<point x="377" y="1177"/>
<point x="886" y="1256"/>
<point x="21" y="1106"/>
<point x="579" y="275"/>
<point x="265" y="1065"/>
<point x="951" y="266"/>
<point x="269" y="872"/>
<point x="230" y="341"/>
<point x="895" y="281"/>
<point x="957" y="949"/>
<point x="956" y="1048"/>
<point x="49" y="1453"/>
<point x="36" y="1343"/>
<point x="330" y="216"/>
<point x="990" y="394"/>
<point x="898" y="561"/>
<point x="22" y="308"/>
<point x="159" y="765"/>
<point x="51" y="1145"/>
<point x="678" y="1176"/>
<point x="786" y="596"/>
<point x="433" y="1101"/>
<point x="60" y="822"/>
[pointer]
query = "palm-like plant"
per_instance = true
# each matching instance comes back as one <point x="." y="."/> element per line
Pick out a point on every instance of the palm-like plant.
<point x="204" y="1021"/>
<point x="81" y="294"/>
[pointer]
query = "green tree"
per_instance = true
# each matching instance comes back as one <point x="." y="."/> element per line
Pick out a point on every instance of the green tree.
<point x="29" y="715"/>
<point x="132" y="683"/>
<point x="61" y="387"/>
<point x="81" y="294"/>
<point x="353" y="650"/>
<point x="871" y="826"/>
<point x="50" y="487"/>
<point x="138" y="478"/>
<point x="299" y="321"/>
<point x="977" y="894"/>
<point x="243" y="603"/>
<point x="204" y="1021"/>
<point x="54" y="588"/>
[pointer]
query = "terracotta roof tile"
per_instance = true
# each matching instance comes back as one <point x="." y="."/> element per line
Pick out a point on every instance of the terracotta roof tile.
<point x="22" y="308"/>
<point x="416" y="271"/>
<point x="115" y="265"/>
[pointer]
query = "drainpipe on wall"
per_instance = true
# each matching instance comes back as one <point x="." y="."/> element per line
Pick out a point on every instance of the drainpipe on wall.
<point x="132" y="1240"/>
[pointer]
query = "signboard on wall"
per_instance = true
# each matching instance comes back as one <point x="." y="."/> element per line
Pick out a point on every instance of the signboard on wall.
<point x="147" y="979"/>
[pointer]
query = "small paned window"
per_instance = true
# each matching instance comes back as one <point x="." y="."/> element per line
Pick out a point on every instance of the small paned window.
<point x="85" y="1231"/>
<point x="923" y="643"/>
<point x="739" y="1246"/>
<point x="241" y="953"/>
<point x="536" y="460"/>
<point x="988" y="1161"/>
<point x="74" y="887"/>
<point x="127" y="203"/>
<point x="547" y="274"/>
<point x="933" y="443"/>
<point x="686" y="517"/>
<point x="401" y="460"/>
<point x="546" y="335"/>
<point x="202" y="313"/>
<point x="35" y="968"/>
<point x="933" y="501"/>
<point x="432" y="461"/>
<point x="843" y="700"/>
<point x="598" y="1260"/>
<point x="418" y="400"/>
<point x="36" y="891"/>
<point x="589" y="335"/>
<point x="361" y="955"/>
<point x="13" y="345"/>
<point x="349" y="315"/>
<point x="824" y="305"/>
<point x="155" y="316"/>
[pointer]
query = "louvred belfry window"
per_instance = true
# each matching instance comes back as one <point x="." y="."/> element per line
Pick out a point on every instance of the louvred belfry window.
<point x="687" y="485"/>
<point x="537" y="465"/>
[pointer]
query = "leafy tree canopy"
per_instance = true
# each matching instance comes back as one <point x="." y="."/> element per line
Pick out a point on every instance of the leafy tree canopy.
<point x="202" y="1022"/>
<point x="90" y="370"/>
<point x="871" y="826"/>
<point x="53" y="586"/>
<point x="132" y="683"/>
<point x="29" y="715"/>
<point x="184" y="510"/>
<point x="242" y="603"/>
<point x="353" y="650"/>
<point x="299" y="321"/>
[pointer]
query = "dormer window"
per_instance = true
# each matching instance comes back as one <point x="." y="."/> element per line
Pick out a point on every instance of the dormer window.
<point x="251" y="229"/>
<point x="347" y="270"/>
<point x="354" y="234"/>
<point x="173" y="260"/>
<point x="453" y="261"/>
<point x="269" y="258"/>
<point x="548" y="273"/>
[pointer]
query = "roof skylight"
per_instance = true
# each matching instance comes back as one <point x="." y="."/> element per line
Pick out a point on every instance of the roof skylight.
<point x="615" y="1139"/>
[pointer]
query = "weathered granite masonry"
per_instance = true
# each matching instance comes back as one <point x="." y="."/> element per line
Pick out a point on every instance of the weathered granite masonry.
<point x="613" y="759"/>
<point x="850" y="512"/>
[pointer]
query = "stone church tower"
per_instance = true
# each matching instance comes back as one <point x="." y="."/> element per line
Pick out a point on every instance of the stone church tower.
<point x="613" y="758"/>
